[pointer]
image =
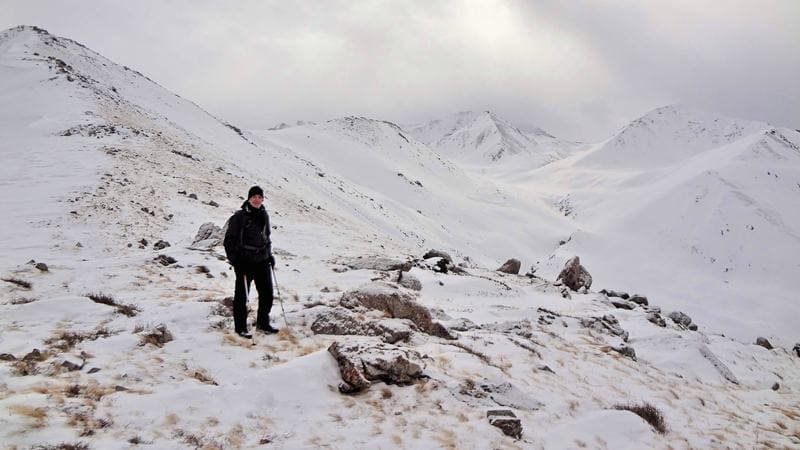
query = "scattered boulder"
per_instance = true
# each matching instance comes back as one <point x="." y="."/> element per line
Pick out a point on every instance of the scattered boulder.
<point x="762" y="341"/>
<point x="656" y="318"/>
<point x="622" y="304"/>
<point x="574" y="275"/>
<point x="681" y="319"/>
<point x="42" y="266"/>
<point x="796" y="349"/>
<point x="640" y="300"/>
<point x="165" y="260"/>
<point x="161" y="244"/>
<point x="610" y="293"/>
<point x="432" y="253"/>
<point x="511" y="266"/>
<point x="396" y="302"/>
<point x="381" y="263"/>
<point x="360" y="364"/>
<point x="625" y="351"/>
<point x="409" y="281"/>
<point x="505" y="419"/>
<point x="340" y="321"/>
<point x="607" y="324"/>
<point x="208" y="236"/>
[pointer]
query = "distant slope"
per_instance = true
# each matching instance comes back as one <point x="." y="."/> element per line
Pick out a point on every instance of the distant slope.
<point x="484" y="139"/>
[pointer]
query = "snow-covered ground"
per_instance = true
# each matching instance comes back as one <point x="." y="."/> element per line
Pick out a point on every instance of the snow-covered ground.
<point x="100" y="163"/>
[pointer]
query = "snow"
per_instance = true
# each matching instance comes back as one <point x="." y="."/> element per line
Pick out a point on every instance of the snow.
<point x="644" y="223"/>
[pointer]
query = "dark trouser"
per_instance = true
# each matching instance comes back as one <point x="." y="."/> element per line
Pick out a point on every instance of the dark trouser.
<point x="260" y="273"/>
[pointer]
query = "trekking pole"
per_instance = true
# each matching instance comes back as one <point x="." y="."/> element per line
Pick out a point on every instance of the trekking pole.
<point x="280" y="299"/>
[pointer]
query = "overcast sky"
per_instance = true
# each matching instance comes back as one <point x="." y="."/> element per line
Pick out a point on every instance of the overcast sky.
<point x="579" y="69"/>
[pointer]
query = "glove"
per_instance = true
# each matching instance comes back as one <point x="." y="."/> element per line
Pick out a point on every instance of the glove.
<point x="271" y="261"/>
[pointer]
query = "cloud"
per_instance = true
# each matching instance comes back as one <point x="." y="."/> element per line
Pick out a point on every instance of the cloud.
<point x="578" y="69"/>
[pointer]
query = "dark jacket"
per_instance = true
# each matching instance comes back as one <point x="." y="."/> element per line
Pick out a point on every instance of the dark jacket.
<point x="247" y="239"/>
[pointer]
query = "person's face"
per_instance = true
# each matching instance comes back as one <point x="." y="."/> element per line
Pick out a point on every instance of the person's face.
<point x="256" y="201"/>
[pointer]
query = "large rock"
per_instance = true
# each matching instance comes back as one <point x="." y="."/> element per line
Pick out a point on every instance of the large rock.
<point x="607" y="324"/>
<point x="395" y="302"/>
<point x="360" y="364"/>
<point x="681" y="319"/>
<point x="340" y="321"/>
<point x="506" y="421"/>
<point x="511" y="266"/>
<point x="432" y="253"/>
<point x="208" y="236"/>
<point x="574" y="275"/>
<point x="764" y="342"/>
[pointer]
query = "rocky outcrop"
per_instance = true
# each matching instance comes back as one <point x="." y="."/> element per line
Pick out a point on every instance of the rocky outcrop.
<point x="506" y="421"/>
<point x="208" y="236"/>
<point x="361" y="364"/>
<point x="574" y="275"/>
<point x="340" y="321"/>
<point x="607" y="324"/>
<point x="764" y="342"/>
<point x="432" y="253"/>
<point x="511" y="266"/>
<point x="396" y="302"/>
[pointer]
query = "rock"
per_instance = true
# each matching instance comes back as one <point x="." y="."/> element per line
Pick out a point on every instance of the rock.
<point x="165" y="260"/>
<point x="764" y="343"/>
<point x="360" y="364"/>
<point x="656" y="318"/>
<point x="462" y="324"/>
<point x="574" y="275"/>
<point x="610" y="293"/>
<point x="7" y="357"/>
<point x="70" y="366"/>
<point x="42" y="266"/>
<point x="208" y="236"/>
<point x="161" y="244"/>
<point x="503" y="393"/>
<point x="638" y="299"/>
<point x="796" y="349"/>
<point x="143" y="243"/>
<point x="397" y="303"/>
<point x="375" y="263"/>
<point x="622" y="304"/>
<point x="340" y="321"/>
<point x="607" y="324"/>
<point x="776" y="386"/>
<point x="94" y="370"/>
<point x="511" y="266"/>
<point x="693" y="327"/>
<point x="34" y="355"/>
<point x="680" y="318"/>
<point x="193" y="196"/>
<point x="508" y="423"/>
<point x="409" y="281"/>
<point x="437" y="254"/>
<point x="625" y="351"/>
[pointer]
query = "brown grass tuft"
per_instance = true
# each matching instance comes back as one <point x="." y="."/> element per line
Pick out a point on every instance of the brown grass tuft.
<point x="648" y="412"/>
<point x="386" y="393"/>
<point x="103" y="299"/>
<point x="158" y="336"/>
<point x="37" y="415"/>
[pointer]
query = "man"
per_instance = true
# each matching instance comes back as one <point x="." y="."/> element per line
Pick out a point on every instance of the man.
<point x="249" y="251"/>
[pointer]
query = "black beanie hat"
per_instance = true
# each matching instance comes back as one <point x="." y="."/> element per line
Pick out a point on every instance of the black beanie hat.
<point x="255" y="190"/>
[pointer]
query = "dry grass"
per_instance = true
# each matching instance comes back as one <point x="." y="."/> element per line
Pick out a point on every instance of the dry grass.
<point x="336" y="417"/>
<point x="157" y="336"/>
<point x="19" y="282"/>
<point x="649" y="413"/>
<point x="397" y="440"/>
<point x="386" y="393"/>
<point x="792" y="414"/>
<point x="38" y="416"/>
<point x="286" y="335"/>
<point x="203" y="376"/>
<point x="66" y="340"/>
<point x="65" y="446"/>
<point x="103" y="299"/>
<point x="447" y="438"/>
<point x="171" y="419"/>
<point x="87" y="423"/>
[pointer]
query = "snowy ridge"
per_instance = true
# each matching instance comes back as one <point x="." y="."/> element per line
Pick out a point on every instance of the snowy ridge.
<point x="100" y="164"/>
<point x="481" y="138"/>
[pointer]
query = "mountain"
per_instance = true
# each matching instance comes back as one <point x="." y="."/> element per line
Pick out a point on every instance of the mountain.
<point x="484" y="138"/>
<point x="115" y="325"/>
<point x="689" y="196"/>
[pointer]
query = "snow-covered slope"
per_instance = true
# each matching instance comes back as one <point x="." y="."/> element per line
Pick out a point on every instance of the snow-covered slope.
<point x="701" y="210"/>
<point x="483" y="139"/>
<point x="100" y="163"/>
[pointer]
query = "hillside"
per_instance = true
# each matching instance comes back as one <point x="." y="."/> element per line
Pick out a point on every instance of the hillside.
<point x="115" y="318"/>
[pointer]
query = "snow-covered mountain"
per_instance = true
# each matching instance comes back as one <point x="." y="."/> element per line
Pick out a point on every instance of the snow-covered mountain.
<point x="482" y="138"/>
<point x="101" y="164"/>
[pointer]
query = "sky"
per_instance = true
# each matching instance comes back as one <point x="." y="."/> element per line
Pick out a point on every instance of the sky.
<point x="578" y="69"/>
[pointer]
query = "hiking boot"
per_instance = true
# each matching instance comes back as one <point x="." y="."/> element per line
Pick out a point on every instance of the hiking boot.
<point x="244" y="334"/>
<point x="267" y="329"/>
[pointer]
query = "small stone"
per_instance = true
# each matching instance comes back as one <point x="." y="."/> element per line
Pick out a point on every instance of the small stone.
<point x="638" y="299"/>
<point x="7" y="357"/>
<point x="680" y="318"/>
<point x="193" y="196"/>
<point x="776" y="386"/>
<point x="165" y="260"/>
<point x="143" y="242"/>
<point x="94" y="370"/>
<point x="161" y="244"/>
<point x="610" y="293"/>
<point x="656" y="318"/>
<point x="622" y="305"/>
<point x="42" y="266"/>
<point x="693" y="327"/>
<point x="764" y="343"/>
<point x="119" y="388"/>
<point x="508" y="423"/>
<point x="625" y="351"/>
<point x="70" y="366"/>
<point x="796" y="349"/>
